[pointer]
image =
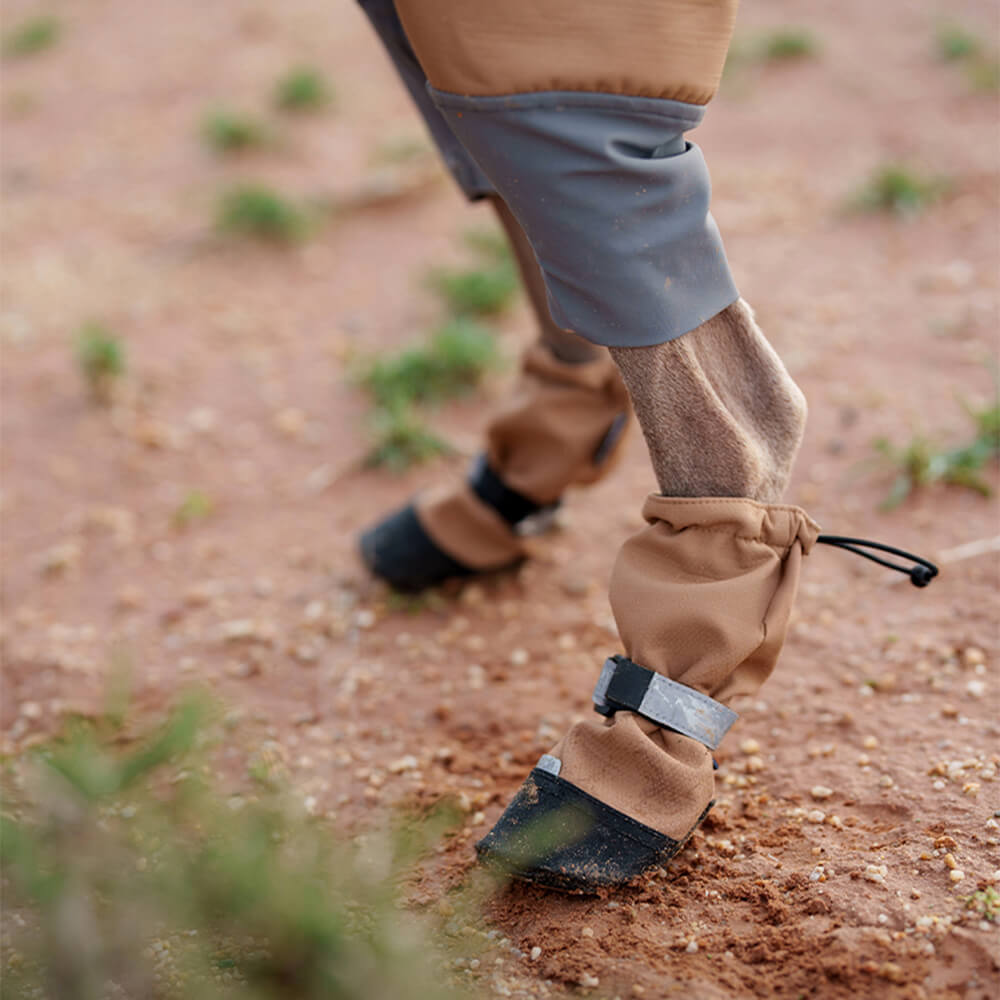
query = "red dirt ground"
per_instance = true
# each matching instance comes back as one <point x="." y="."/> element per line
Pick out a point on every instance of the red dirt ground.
<point x="238" y="387"/>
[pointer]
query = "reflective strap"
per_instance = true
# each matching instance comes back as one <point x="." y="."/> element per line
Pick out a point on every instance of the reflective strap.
<point x="624" y="685"/>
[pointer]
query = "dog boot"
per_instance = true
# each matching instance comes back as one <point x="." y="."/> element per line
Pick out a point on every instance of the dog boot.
<point x="561" y="428"/>
<point x="702" y="598"/>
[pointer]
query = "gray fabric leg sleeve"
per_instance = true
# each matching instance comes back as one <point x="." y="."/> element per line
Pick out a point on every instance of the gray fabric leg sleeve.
<point x="614" y="202"/>
<point x="385" y="20"/>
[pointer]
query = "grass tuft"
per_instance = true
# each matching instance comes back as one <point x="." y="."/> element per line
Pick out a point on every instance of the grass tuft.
<point x="302" y="89"/>
<point x="954" y="42"/>
<point x="921" y="463"/>
<point x="985" y="902"/>
<point x="129" y="873"/>
<point x="32" y="36"/>
<point x="451" y="363"/>
<point x="401" y="439"/>
<point x="787" y="44"/>
<point x="231" y="132"/>
<point x="399" y="150"/>
<point x="900" y="190"/>
<point x="484" y="290"/>
<point x="100" y="356"/>
<point x="983" y="73"/>
<point x="194" y="507"/>
<point x="257" y="211"/>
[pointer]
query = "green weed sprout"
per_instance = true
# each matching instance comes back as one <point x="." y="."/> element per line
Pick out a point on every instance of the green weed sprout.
<point x="129" y="873"/>
<point x="101" y="358"/>
<point x="194" y="507"/>
<point x="955" y="42"/>
<point x="302" y="89"/>
<point x="983" y="72"/>
<point x="32" y="36"/>
<point x="920" y="463"/>
<point x="402" y="439"/>
<point x="985" y="902"/>
<point x="451" y="363"/>
<point x="781" y="45"/>
<point x="484" y="290"/>
<point x="401" y="149"/>
<point x="787" y="44"/>
<point x="257" y="211"/>
<point x="230" y="132"/>
<point x="900" y="190"/>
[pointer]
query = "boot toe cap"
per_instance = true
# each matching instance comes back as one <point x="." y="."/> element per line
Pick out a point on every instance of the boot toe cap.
<point x="557" y="835"/>
<point x="399" y="551"/>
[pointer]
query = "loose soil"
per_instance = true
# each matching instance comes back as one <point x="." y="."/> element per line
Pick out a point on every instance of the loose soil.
<point x="239" y="387"/>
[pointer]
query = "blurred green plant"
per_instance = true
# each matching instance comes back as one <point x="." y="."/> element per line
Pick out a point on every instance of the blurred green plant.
<point x="400" y="149"/>
<point x="985" y="902"/>
<point x="227" y="131"/>
<point x="983" y="72"/>
<point x="452" y="362"/>
<point x="401" y="439"/>
<point x="31" y="36"/>
<point x="921" y="463"/>
<point x="780" y="45"/>
<point x="786" y="44"/>
<point x="484" y="290"/>
<point x="900" y="190"/>
<point x="100" y="356"/>
<point x="128" y="873"/>
<point x="194" y="507"/>
<point x="954" y="41"/>
<point x="258" y="211"/>
<point x="302" y="89"/>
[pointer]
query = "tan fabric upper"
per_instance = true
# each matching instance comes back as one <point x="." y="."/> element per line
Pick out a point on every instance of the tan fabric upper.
<point x="702" y="595"/>
<point x="546" y="435"/>
<point x="648" y="48"/>
<point x="467" y="529"/>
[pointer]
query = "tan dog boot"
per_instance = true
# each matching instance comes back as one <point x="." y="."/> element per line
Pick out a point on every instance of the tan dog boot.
<point x="702" y="599"/>
<point x="561" y="428"/>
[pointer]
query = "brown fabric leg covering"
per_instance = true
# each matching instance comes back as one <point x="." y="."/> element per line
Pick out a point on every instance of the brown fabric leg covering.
<point x="704" y="593"/>
<point x="544" y="439"/>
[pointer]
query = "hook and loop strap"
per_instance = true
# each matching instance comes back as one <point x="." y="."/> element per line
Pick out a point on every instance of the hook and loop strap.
<point x="626" y="686"/>
<point x="920" y="574"/>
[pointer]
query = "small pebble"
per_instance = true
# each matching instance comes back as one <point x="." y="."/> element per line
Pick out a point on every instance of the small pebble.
<point x="749" y="747"/>
<point x="535" y="953"/>
<point x="956" y="875"/>
<point x="820" y="792"/>
<point x="692" y="947"/>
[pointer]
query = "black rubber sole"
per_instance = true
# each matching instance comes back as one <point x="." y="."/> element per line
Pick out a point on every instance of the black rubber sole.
<point x="399" y="551"/>
<point x="556" y="835"/>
